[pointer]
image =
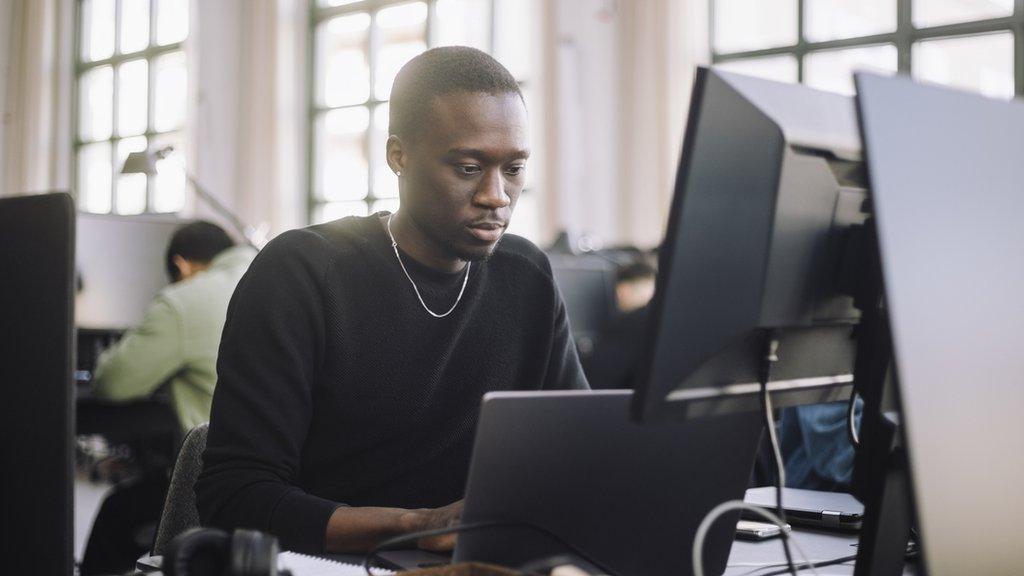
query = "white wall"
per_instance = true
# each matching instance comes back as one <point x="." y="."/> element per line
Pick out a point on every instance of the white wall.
<point x="214" y="63"/>
<point x="247" y="126"/>
<point x="617" y="81"/>
<point x="6" y="15"/>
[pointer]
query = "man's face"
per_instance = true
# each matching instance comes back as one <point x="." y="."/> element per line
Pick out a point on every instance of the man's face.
<point x="464" y="171"/>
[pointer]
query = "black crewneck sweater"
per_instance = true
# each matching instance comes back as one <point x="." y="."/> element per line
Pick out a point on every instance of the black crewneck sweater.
<point x="336" y="386"/>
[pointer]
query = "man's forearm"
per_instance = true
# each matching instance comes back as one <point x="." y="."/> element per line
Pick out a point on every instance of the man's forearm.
<point x="359" y="529"/>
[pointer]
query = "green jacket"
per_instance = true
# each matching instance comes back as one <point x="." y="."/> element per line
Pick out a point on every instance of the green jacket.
<point x="176" y="342"/>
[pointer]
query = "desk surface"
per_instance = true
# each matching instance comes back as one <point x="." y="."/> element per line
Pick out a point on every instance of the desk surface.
<point x="759" y="558"/>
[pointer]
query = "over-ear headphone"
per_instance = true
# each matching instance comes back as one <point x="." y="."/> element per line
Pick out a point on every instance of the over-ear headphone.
<point x="212" y="552"/>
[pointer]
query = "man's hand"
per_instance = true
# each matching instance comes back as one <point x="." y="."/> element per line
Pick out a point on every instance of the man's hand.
<point x="435" y="519"/>
<point x="352" y="530"/>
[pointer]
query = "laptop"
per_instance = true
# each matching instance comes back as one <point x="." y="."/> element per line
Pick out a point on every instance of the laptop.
<point x="832" y="510"/>
<point x="628" y="495"/>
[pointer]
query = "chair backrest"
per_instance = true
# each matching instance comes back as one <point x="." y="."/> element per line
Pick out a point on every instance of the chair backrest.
<point x="180" y="511"/>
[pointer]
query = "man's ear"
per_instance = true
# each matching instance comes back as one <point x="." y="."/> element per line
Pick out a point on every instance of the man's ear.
<point x="396" y="154"/>
<point x="184" y="266"/>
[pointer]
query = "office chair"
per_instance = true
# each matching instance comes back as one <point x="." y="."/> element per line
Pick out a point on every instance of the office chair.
<point x="180" y="513"/>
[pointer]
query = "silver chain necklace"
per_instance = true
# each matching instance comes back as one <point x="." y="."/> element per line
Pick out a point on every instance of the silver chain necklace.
<point x="394" y="246"/>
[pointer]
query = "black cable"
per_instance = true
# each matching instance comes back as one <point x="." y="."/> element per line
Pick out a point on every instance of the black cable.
<point x="802" y="566"/>
<point x="769" y="358"/>
<point x="414" y="536"/>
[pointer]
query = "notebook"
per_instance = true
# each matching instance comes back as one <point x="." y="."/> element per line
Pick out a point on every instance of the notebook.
<point x="303" y="565"/>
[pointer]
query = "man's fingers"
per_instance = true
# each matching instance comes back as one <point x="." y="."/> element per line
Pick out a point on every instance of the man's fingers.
<point x="444" y="543"/>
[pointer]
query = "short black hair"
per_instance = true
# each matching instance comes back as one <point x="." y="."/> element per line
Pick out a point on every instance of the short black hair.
<point x="439" y="71"/>
<point x="639" y="269"/>
<point x="200" y="241"/>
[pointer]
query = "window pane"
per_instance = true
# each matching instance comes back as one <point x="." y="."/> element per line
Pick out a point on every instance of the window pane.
<point x="458" y="23"/>
<point x="97" y="29"/>
<point x="133" y="77"/>
<point x="344" y="77"/>
<point x="134" y="25"/>
<point x="335" y="210"/>
<point x="835" y="19"/>
<point x="385" y="183"/>
<point x="980" y="63"/>
<point x="171" y="21"/>
<point x="130" y="197"/>
<point x="754" y="24"/>
<point x="513" y="41"/>
<point x="938" y="12"/>
<point x="169" y="185"/>
<point x="341" y="165"/>
<point x="779" y="68"/>
<point x="94" y="173"/>
<point x="96" y="100"/>
<point x="171" y="91"/>
<point x="390" y="205"/>
<point x="403" y="35"/>
<point x="833" y="69"/>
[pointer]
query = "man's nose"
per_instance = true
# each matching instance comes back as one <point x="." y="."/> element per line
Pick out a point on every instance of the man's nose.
<point x="491" y="193"/>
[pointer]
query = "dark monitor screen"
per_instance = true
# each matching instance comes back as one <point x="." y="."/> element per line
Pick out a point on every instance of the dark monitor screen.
<point x="36" y="417"/>
<point x="587" y="285"/>
<point x="769" y="184"/>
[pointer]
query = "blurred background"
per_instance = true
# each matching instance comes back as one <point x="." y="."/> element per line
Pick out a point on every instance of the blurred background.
<point x="279" y="107"/>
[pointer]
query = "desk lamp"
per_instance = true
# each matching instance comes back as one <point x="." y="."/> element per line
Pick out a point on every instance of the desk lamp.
<point x="145" y="163"/>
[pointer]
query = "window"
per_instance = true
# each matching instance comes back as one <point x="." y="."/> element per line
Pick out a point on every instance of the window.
<point x="358" y="48"/>
<point x="131" y="95"/>
<point x="968" y="44"/>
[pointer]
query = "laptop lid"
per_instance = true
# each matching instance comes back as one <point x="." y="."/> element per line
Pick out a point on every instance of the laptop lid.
<point x="629" y="495"/>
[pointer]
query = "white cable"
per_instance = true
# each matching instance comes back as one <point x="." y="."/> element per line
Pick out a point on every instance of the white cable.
<point x="776" y="452"/>
<point x="705" y="525"/>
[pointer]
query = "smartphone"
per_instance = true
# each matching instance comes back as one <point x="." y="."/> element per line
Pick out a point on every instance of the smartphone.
<point x="751" y="530"/>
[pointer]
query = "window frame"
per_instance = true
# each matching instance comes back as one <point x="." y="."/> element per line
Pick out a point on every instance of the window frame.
<point x="81" y="67"/>
<point x="320" y="14"/>
<point x="904" y="38"/>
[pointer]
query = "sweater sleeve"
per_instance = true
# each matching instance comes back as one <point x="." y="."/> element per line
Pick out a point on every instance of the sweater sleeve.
<point x="270" y="354"/>
<point x="145" y="357"/>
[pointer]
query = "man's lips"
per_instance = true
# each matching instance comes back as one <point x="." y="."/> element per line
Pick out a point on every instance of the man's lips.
<point x="486" y="231"/>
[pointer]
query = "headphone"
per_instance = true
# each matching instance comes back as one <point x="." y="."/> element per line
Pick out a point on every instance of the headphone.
<point x="212" y="552"/>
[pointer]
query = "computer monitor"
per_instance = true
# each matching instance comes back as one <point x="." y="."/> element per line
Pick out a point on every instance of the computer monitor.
<point x="946" y="181"/>
<point x="121" y="266"/>
<point x="587" y="285"/>
<point x="37" y="242"/>
<point x="769" y="184"/>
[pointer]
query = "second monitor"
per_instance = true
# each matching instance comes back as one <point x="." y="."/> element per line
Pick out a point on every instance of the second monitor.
<point x="769" y="186"/>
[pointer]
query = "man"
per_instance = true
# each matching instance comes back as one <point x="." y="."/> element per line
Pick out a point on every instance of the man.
<point x="356" y="352"/>
<point x="176" y="343"/>
<point x="180" y="331"/>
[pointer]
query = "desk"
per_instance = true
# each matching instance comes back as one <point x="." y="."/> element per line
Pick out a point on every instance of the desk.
<point x="758" y="558"/>
<point x="749" y="558"/>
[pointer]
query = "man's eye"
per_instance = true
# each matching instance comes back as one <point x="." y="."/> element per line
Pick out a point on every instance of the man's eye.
<point x="468" y="169"/>
<point x="515" y="170"/>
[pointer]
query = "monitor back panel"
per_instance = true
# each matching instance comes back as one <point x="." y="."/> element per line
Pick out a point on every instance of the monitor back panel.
<point x="947" y="178"/>
<point x="36" y="410"/>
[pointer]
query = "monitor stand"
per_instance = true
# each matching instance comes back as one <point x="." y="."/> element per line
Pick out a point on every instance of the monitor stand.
<point x="880" y="478"/>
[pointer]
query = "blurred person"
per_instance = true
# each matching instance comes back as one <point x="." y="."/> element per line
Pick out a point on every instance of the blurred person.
<point x="175" y="345"/>
<point x="619" y="348"/>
